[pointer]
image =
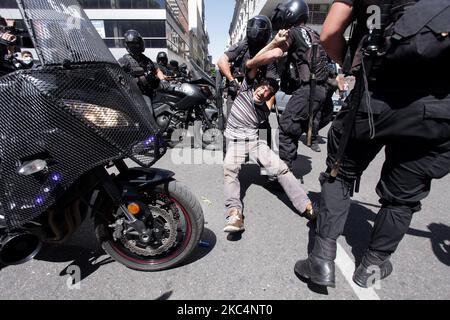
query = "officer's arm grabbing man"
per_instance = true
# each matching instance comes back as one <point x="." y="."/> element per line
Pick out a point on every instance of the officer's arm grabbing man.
<point x="294" y="15"/>
<point x="232" y="62"/>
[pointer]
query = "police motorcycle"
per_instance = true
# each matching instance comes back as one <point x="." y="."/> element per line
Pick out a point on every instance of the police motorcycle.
<point x="185" y="102"/>
<point x="67" y="128"/>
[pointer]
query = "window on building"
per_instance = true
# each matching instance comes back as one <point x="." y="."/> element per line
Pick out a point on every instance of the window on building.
<point x="149" y="43"/>
<point x="147" y="28"/>
<point x="318" y="13"/>
<point x="175" y="42"/>
<point x="106" y="4"/>
<point x="123" y="4"/>
<point x="153" y="32"/>
<point x="8" y="4"/>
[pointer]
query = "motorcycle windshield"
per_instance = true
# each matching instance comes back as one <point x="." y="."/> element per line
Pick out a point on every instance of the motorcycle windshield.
<point x="199" y="74"/>
<point x="62" y="33"/>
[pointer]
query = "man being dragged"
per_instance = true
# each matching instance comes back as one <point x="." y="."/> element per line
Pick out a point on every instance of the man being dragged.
<point x="249" y="110"/>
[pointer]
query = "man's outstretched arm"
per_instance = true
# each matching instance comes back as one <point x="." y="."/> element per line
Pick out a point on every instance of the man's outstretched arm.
<point x="272" y="52"/>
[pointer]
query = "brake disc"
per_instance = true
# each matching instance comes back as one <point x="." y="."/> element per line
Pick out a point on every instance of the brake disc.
<point x="170" y="233"/>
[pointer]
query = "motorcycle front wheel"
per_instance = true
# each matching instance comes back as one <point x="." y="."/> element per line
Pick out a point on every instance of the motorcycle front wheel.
<point x="177" y="224"/>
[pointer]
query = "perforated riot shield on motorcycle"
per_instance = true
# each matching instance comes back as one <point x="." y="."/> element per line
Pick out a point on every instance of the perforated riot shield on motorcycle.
<point x="74" y="113"/>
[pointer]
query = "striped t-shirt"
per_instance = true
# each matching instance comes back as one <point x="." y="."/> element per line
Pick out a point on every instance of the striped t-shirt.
<point x="245" y="116"/>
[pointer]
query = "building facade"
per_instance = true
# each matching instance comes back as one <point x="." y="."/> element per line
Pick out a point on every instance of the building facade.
<point x="247" y="9"/>
<point x="198" y="34"/>
<point x="164" y="25"/>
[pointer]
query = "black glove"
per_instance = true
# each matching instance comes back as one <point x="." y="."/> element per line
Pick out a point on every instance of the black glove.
<point x="233" y="89"/>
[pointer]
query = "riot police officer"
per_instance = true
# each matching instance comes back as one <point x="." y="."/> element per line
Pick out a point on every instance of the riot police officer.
<point x="163" y="63"/>
<point x="294" y="15"/>
<point x="325" y="114"/>
<point x="259" y="31"/>
<point x="404" y="110"/>
<point x="141" y="67"/>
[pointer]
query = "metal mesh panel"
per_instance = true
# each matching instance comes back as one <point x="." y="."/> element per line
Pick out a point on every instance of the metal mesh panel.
<point x="75" y="119"/>
<point x="63" y="32"/>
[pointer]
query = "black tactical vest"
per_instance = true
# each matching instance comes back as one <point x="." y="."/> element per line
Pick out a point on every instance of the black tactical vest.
<point x="414" y="43"/>
<point x="130" y="64"/>
<point x="301" y="56"/>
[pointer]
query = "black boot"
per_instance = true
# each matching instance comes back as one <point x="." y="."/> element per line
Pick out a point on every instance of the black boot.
<point x="319" y="267"/>
<point x="315" y="147"/>
<point x="374" y="266"/>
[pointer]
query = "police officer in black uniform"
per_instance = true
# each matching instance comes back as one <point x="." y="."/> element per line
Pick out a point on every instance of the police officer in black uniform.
<point x="293" y="15"/>
<point x="174" y="68"/>
<point x="259" y="31"/>
<point x="405" y="110"/>
<point x="148" y="75"/>
<point x="163" y="63"/>
<point x="325" y="114"/>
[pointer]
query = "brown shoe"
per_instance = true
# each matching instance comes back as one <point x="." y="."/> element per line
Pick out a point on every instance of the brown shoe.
<point x="235" y="221"/>
<point x="310" y="213"/>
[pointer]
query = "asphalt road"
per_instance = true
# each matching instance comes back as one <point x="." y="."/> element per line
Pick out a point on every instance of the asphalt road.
<point x="259" y="264"/>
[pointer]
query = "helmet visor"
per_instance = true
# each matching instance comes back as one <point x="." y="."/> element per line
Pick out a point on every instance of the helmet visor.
<point x="135" y="47"/>
<point x="259" y="24"/>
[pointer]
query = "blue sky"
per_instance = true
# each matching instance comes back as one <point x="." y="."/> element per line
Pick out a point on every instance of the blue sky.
<point x="218" y="15"/>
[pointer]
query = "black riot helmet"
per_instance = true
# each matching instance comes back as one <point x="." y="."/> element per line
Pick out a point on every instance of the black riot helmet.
<point x="161" y="58"/>
<point x="259" y="30"/>
<point x="134" y="42"/>
<point x="289" y="14"/>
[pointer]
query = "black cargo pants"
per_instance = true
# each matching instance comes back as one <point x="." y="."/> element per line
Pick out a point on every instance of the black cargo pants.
<point x="295" y="119"/>
<point x="416" y="137"/>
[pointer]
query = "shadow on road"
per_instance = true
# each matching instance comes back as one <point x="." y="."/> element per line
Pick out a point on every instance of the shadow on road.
<point x="312" y="286"/>
<point x="440" y="240"/>
<point x="235" y="236"/>
<point x="207" y="243"/>
<point x="83" y="251"/>
<point x="320" y="140"/>
<point x="165" y="296"/>
<point x="88" y="263"/>
<point x="250" y="174"/>
<point x="358" y="230"/>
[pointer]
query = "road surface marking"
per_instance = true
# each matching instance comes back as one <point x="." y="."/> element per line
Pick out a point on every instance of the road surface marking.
<point x="347" y="267"/>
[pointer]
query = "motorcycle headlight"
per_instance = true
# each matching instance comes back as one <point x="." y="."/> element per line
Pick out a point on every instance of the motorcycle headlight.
<point x="102" y="117"/>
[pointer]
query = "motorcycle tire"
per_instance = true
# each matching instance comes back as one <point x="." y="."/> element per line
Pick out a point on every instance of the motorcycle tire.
<point x="191" y="212"/>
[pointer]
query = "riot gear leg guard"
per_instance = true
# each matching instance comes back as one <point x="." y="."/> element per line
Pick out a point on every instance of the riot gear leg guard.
<point x="334" y="208"/>
<point x="319" y="267"/>
<point x="390" y="227"/>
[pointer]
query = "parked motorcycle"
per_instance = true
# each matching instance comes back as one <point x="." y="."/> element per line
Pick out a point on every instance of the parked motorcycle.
<point x="65" y="127"/>
<point x="185" y="102"/>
